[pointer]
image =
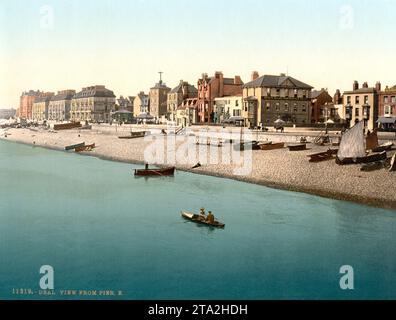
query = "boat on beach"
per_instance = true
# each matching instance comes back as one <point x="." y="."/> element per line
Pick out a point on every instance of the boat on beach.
<point x="134" y="135"/>
<point x="271" y="146"/>
<point x="353" y="149"/>
<point x="88" y="147"/>
<point x="297" y="147"/>
<point x="201" y="220"/>
<point x="161" y="172"/>
<point x="383" y="147"/>
<point x="74" y="146"/>
<point x="323" y="156"/>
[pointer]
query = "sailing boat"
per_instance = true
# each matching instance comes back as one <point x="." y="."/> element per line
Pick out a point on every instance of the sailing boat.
<point x="353" y="150"/>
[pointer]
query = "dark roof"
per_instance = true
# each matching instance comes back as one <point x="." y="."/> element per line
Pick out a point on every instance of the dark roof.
<point x="190" y="89"/>
<point x="361" y="90"/>
<point x="317" y="93"/>
<point x="64" y="96"/>
<point x="160" y="85"/>
<point x="96" y="91"/>
<point x="42" y="99"/>
<point x="269" y="81"/>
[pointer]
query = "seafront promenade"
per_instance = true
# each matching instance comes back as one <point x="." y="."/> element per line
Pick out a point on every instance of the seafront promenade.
<point x="277" y="168"/>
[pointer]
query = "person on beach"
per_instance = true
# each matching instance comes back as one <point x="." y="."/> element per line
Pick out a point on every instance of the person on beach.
<point x="210" y="218"/>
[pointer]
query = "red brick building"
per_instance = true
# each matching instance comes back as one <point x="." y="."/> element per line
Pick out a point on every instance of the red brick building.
<point x="319" y="99"/>
<point x="26" y="103"/>
<point x="387" y="107"/>
<point x="210" y="88"/>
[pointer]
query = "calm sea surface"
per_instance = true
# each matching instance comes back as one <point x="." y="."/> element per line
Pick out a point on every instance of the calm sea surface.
<point x="102" y="229"/>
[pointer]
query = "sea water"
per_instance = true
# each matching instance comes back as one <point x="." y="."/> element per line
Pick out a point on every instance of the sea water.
<point x="108" y="235"/>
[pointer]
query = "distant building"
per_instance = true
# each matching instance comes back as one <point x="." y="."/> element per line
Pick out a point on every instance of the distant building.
<point x="93" y="104"/>
<point x="158" y="100"/>
<point x="387" y="108"/>
<point x="40" y="106"/>
<point x="228" y="107"/>
<point x="59" y="106"/>
<point x="210" y="88"/>
<point x="187" y="112"/>
<point x="125" y="103"/>
<point x="7" y="113"/>
<point x="26" y="103"/>
<point x="361" y="104"/>
<point x="269" y="98"/>
<point x="141" y="104"/>
<point x="319" y="99"/>
<point x="177" y="95"/>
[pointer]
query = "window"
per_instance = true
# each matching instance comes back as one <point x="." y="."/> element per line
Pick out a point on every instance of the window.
<point x="286" y="107"/>
<point x="357" y="112"/>
<point x="277" y="92"/>
<point x="348" y="99"/>
<point x="388" y="110"/>
<point x="287" y="93"/>
<point x="295" y="93"/>
<point x="304" y="108"/>
<point x="268" y="92"/>
<point x="385" y="99"/>
<point x="366" y="99"/>
<point x="357" y="100"/>
<point x="236" y="103"/>
<point x="393" y="99"/>
<point x="268" y="106"/>
<point x="304" y="94"/>
<point x="277" y="106"/>
<point x="295" y="108"/>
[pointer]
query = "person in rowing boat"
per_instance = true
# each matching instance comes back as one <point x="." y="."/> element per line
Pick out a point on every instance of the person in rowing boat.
<point x="210" y="218"/>
<point x="202" y="213"/>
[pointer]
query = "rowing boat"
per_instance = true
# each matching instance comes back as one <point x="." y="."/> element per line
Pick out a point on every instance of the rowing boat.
<point x="201" y="220"/>
<point x="323" y="156"/>
<point x="297" y="147"/>
<point x="155" y="172"/>
<point x="271" y="146"/>
<point x="74" y="146"/>
<point x="88" y="147"/>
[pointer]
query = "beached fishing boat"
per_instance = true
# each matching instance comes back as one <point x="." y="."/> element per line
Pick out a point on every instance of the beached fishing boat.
<point x="353" y="150"/>
<point x="323" y="156"/>
<point x="247" y="145"/>
<point x="88" y="147"/>
<point x="383" y="147"/>
<point x="74" y="146"/>
<point x="271" y="146"/>
<point x="134" y="135"/>
<point x="201" y="220"/>
<point x="297" y="147"/>
<point x="155" y="172"/>
<point x="67" y="126"/>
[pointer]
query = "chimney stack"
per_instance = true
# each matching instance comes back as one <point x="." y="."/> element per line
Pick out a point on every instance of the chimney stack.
<point x="378" y="86"/>
<point x="355" y="85"/>
<point x="255" y="75"/>
<point x="237" y="80"/>
<point x="365" y="85"/>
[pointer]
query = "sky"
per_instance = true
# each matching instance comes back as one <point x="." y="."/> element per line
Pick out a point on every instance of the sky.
<point x="54" y="45"/>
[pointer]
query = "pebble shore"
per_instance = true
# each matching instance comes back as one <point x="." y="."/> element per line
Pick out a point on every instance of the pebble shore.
<point x="278" y="168"/>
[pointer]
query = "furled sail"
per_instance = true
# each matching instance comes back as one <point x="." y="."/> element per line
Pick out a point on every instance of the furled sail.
<point x="352" y="143"/>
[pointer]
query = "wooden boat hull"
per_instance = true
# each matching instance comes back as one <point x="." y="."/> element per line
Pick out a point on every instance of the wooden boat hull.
<point x="74" y="146"/>
<point x="155" y="172"/>
<point x="88" y="147"/>
<point x="297" y="147"/>
<point x="383" y="147"/>
<point x="200" y="220"/>
<point x="67" y="126"/>
<point x="323" y="156"/>
<point x="271" y="146"/>
<point x="368" y="159"/>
